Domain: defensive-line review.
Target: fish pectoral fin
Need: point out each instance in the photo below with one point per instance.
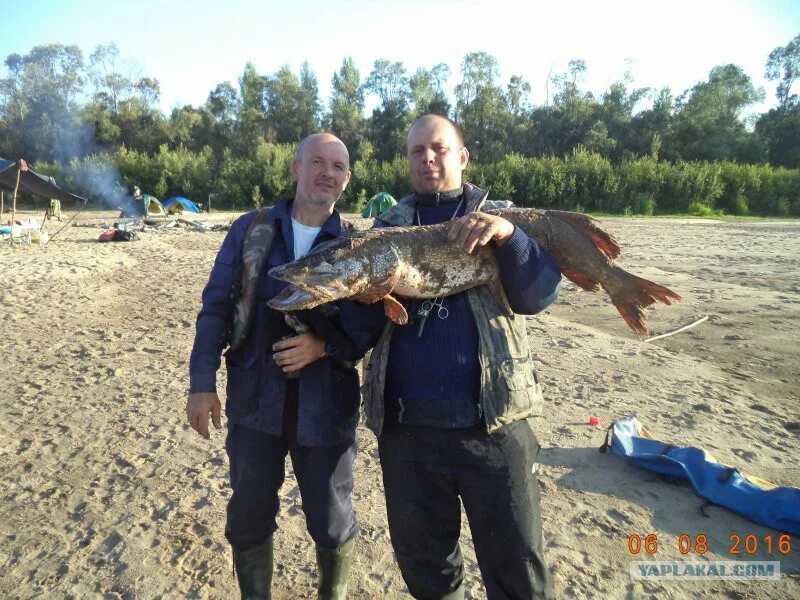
(496, 287)
(395, 310)
(584, 281)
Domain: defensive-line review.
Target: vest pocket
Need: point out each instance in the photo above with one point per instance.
(519, 393)
(518, 374)
(243, 380)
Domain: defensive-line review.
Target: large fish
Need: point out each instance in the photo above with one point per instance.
(421, 262)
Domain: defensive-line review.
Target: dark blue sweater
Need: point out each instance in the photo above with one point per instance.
(434, 380)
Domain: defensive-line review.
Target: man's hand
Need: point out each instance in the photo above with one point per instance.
(296, 352)
(478, 229)
(197, 408)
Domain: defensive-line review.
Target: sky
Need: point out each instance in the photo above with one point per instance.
(190, 47)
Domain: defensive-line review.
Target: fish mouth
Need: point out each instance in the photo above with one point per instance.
(295, 298)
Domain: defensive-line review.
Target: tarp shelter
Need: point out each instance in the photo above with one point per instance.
(177, 204)
(144, 206)
(30, 182)
(379, 203)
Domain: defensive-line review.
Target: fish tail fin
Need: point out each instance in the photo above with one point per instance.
(591, 228)
(632, 294)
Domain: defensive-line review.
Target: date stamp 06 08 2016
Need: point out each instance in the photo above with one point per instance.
(741, 546)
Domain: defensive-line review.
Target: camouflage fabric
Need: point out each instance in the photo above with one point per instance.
(257, 241)
(255, 248)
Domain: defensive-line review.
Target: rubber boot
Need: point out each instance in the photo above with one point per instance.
(456, 594)
(334, 570)
(253, 570)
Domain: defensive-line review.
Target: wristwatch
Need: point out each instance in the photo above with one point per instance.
(330, 349)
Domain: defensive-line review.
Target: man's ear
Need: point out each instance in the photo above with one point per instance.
(295, 167)
(463, 154)
(347, 179)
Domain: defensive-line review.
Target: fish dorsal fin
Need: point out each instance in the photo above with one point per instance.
(602, 239)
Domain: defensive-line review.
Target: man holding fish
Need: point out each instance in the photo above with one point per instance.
(449, 396)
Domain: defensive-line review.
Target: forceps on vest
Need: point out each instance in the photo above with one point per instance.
(426, 308)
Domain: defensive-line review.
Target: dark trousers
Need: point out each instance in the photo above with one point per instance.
(426, 470)
(324, 476)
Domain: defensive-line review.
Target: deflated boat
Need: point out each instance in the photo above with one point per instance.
(421, 262)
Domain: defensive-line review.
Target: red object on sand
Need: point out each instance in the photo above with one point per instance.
(594, 420)
(106, 236)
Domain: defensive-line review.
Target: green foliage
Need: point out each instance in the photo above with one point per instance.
(698, 209)
(256, 198)
(373, 176)
(98, 130)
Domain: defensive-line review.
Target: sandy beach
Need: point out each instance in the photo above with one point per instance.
(108, 494)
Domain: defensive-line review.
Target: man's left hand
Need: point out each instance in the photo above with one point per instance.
(478, 229)
(296, 352)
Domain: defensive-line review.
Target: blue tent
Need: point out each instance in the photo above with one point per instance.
(179, 203)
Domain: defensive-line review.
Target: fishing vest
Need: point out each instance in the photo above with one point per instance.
(255, 249)
(509, 383)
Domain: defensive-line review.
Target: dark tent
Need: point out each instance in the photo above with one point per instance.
(31, 182)
(177, 204)
(146, 206)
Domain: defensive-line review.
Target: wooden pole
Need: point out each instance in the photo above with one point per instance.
(16, 187)
(68, 221)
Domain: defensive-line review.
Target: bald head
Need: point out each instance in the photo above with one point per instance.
(319, 139)
(432, 121)
(436, 154)
(321, 168)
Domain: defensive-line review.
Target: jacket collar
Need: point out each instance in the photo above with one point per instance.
(402, 214)
(282, 211)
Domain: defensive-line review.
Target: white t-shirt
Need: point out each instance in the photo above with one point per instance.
(304, 236)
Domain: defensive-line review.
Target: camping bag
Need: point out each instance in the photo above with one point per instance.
(751, 497)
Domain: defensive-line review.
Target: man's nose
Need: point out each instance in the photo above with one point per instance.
(428, 155)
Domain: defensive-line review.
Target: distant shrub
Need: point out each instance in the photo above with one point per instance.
(698, 209)
(583, 180)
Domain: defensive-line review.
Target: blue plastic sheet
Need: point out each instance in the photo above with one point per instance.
(753, 498)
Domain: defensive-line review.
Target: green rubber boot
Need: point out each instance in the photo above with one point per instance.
(253, 570)
(334, 570)
(457, 594)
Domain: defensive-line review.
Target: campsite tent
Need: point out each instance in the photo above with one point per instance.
(379, 203)
(178, 204)
(31, 182)
(146, 206)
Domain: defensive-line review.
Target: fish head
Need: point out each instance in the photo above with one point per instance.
(331, 271)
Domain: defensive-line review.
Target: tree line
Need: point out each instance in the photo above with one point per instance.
(630, 149)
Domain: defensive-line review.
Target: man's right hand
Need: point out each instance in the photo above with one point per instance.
(198, 406)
